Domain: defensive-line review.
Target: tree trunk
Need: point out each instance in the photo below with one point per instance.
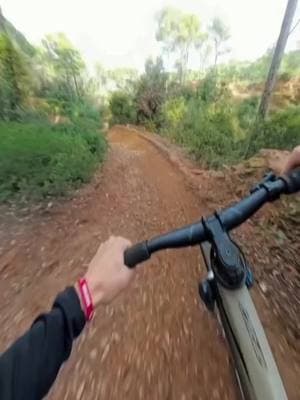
(216, 53)
(277, 57)
(181, 66)
(76, 85)
(186, 61)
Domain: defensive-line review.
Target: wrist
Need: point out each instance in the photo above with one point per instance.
(86, 300)
(95, 290)
(77, 290)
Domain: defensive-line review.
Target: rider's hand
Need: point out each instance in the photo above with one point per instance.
(293, 161)
(107, 275)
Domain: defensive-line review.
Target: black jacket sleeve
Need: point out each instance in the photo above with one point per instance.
(29, 367)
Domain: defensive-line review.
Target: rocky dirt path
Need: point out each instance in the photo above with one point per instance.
(156, 341)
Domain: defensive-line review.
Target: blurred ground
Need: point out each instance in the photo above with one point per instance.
(156, 341)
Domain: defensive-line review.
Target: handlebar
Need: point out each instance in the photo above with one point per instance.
(268, 190)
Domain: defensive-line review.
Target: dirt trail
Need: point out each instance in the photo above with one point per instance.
(156, 341)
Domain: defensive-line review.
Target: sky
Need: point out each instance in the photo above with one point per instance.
(121, 33)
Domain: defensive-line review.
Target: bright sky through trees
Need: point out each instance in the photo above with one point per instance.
(122, 33)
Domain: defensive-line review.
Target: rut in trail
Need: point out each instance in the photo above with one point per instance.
(156, 341)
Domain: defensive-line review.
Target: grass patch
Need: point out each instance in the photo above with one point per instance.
(39, 160)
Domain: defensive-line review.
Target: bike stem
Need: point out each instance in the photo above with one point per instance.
(228, 262)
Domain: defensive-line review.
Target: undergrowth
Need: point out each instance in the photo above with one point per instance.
(39, 160)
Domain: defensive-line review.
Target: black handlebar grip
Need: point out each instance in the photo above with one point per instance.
(292, 180)
(136, 254)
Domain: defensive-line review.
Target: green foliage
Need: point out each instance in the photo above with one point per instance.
(120, 79)
(291, 63)
(173, 112)
(41, 160)
(209, 89)
(211, 139)
(60, 69)
(247, 111)
(179, 32)
(219, 33)
(205, 122)
(14, 79)
(122, 108)
(217, 130)
(280, 131)
(211, 133)
(142, 104)
(151, 91)
(252, 72)
(38, 159)
(256, 71)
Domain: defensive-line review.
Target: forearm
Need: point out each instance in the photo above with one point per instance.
(29, 367)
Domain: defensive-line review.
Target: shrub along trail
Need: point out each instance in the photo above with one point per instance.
(156, 341)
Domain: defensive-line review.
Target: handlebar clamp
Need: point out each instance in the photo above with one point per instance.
(228, 261)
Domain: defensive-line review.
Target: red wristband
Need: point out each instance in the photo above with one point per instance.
(86, 299)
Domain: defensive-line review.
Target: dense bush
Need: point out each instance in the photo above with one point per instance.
(247, 111)
(40, 160)
(173, 112)
(280, 131)
(122, 108)
(212, 134)
(205, 122)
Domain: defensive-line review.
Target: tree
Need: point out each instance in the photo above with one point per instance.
(277, 57)
(151, 89)
(178, 32)
(219, 33)
(64, 64)
(123, 78)
(14, 78)
(120, 79)
(203, 46)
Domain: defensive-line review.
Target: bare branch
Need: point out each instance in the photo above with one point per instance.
(294, 27)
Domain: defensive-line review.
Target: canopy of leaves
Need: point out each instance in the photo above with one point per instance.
(219, 33)
(177, 29)
(61, 71)
(178, 32)
(115, 79)
(14, 78)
